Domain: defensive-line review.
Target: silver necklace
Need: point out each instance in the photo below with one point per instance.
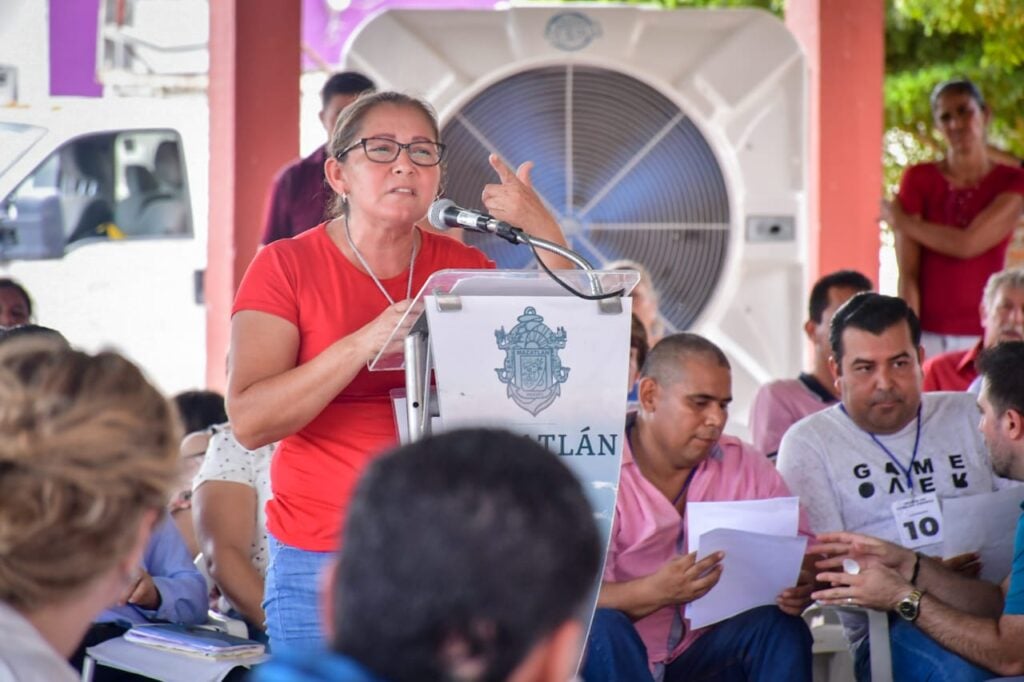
(369, 271)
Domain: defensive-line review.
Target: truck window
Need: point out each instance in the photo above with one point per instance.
(102, 187)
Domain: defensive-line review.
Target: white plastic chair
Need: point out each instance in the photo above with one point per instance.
(825, 630)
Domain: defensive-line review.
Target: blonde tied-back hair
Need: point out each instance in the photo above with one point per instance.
(87, 446)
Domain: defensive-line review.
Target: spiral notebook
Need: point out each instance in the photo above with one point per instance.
(193, 640)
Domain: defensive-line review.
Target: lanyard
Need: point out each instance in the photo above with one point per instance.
(678, 628)
(908, 470)
(686, 485)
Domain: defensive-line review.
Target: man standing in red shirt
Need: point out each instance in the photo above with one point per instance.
(1002, 319)
(298, 198)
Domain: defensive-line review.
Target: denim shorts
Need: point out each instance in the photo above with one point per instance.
(292, 596)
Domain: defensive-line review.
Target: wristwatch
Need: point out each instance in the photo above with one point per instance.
(910, 606)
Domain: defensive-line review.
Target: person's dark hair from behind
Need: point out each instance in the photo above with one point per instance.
(872, 313)
(26, 331)
(200, 409)
(345, 83)
(1003, 368)
(461, 552)
(842, 279)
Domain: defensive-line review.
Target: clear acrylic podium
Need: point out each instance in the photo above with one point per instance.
(439, 303)
(515, 350)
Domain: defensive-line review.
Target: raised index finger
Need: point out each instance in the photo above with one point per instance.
(505, 173)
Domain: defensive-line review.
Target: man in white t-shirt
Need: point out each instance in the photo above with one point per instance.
(977, 619)
(879, 461)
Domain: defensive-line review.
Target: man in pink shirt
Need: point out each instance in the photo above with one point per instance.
(675, 452)
(780, 404)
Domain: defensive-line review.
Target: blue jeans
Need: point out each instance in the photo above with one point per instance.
(759, 645)
(291, 599)
(916, 657)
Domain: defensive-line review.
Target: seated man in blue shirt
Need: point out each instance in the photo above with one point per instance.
(169, 589)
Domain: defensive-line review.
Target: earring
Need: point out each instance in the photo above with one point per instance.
(344, 197)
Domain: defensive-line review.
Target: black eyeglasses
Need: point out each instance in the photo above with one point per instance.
(384, 150)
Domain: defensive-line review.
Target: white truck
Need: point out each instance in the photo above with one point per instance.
(103, 211)
(103, 201)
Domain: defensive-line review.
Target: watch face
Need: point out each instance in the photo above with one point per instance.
(908, 607)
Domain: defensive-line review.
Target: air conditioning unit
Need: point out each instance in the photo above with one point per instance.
(676, 138)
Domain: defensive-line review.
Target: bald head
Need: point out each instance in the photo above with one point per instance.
(665, 363)
(684, 397)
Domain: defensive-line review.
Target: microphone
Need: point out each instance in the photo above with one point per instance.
(445, 214)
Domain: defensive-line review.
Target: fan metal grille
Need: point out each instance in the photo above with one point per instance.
(624, 170)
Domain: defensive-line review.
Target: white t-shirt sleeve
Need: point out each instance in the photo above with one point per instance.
(801, 465)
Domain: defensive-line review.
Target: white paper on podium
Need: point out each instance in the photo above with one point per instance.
(773, 516)
(984, 523)
(757, 567)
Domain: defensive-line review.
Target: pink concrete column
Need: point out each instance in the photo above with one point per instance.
(844, 42)
(254, 130)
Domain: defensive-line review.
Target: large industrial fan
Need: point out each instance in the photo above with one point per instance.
(674, 138)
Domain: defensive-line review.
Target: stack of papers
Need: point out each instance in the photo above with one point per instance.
(195, 641)
(763, 553)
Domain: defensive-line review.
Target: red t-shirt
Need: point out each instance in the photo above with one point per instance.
(308, 282)
(951, 287)
(952, 371)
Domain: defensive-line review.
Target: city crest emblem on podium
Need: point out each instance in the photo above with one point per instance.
(533, 371)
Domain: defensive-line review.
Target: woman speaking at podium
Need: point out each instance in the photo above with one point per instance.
(313, 310)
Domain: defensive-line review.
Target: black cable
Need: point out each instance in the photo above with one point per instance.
(565, 285)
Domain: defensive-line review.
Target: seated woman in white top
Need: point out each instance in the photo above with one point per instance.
(228, 498)
(88, 456)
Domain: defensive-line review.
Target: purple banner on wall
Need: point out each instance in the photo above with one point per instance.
(327, 24)
(73, 35)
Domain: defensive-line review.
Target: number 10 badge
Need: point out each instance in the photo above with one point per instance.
(919, 520)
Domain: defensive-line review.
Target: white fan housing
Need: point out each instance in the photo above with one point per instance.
(675, 138)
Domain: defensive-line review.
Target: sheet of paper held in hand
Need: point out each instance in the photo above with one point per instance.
(986, 524)
(762, 553)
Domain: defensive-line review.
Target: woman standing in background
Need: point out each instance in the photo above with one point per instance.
(953, 220)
